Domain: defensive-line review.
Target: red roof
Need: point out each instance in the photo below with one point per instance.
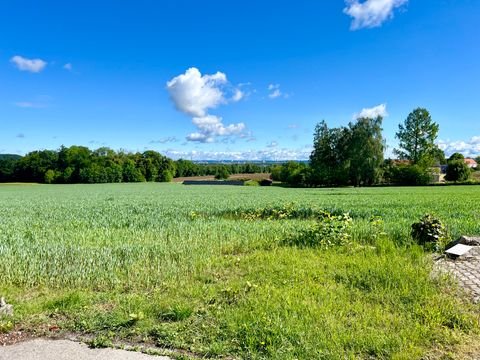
(470, 162)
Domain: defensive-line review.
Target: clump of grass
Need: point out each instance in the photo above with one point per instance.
(326, 232)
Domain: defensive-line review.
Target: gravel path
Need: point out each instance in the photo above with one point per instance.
(40, 349)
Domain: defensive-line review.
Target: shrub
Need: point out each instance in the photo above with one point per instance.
(429, 232)
(251, 183)
(457, 170)
(410, 175)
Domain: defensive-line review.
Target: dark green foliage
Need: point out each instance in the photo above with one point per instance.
(329, 157)
(347, 156)
(456, 156)
(222, 173)
(8, 164)
(407, 174)
(457, 170)
(165, 176)
(417, 137)
(365, 151)
(186, 168)
(78, 164)
(429, 231)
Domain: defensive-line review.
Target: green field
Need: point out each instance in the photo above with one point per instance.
(184, 268)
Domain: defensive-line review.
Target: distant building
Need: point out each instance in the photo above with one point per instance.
(471, 163)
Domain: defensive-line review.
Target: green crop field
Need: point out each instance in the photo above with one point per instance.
(213, 271)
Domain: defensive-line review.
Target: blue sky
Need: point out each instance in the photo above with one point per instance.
(228, 80)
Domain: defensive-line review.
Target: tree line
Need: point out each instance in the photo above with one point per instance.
(347, 155)
(354, 155)
(79, 164)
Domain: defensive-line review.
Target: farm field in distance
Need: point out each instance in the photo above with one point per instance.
(187, 269)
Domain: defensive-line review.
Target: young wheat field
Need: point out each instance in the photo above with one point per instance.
(215, 271)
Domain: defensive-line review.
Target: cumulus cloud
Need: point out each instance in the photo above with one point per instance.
(371, 13)
(20, 136)
(68, 66)
(272, 144)
(211, 126)
(470, 148)
(372, 113)
(31, 65)
(195, 94)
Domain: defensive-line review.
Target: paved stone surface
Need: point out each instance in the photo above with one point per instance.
(41, 349)
(466, 270)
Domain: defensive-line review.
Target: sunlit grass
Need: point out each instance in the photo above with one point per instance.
(162, 263)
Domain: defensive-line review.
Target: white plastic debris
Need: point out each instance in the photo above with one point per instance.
(458, 250)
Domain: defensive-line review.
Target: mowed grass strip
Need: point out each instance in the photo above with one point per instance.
(158, 263)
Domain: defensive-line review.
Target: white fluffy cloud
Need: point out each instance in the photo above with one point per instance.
(371, 13)
(470, 148)
(372, 113)
(195, 94)
(68, 66)
(211, 126)
(31, 65)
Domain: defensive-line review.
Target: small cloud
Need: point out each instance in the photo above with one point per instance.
(68, 66)
(20, 136)
(272, 144)
(165, 140)
(293, 126)
(372, 113)
(275, 92)
(238, 95)
(31, 65)
(371, 13)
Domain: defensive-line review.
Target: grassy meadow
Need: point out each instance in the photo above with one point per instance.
(182, 268)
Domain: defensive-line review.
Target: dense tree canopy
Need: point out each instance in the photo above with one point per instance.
(347, 155)
(79, 164)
